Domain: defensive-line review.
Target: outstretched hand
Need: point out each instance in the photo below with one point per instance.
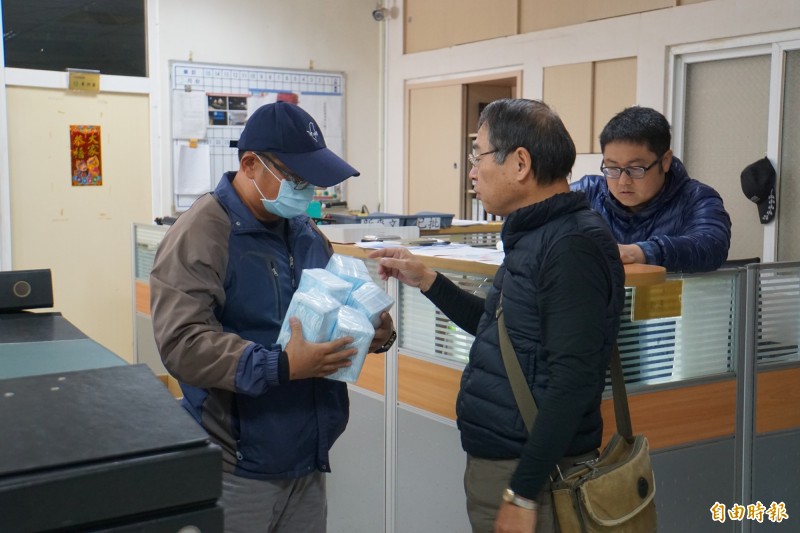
(406, 267)
(315, 359)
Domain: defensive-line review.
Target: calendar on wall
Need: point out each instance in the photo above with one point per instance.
(211, 103)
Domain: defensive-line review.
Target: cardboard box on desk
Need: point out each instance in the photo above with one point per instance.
(88, 448)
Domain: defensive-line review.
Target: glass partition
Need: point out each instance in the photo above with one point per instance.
(697, 342)
(425, 330)
(146, 239)
(778, 322)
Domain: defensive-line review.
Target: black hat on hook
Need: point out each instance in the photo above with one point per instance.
(758, 184)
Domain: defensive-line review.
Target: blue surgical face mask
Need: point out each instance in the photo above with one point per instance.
(290, 202)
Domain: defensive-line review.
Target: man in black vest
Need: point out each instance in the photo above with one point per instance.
(562, 285)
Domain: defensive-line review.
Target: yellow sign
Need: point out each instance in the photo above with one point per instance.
(80, 80)
(657, 301)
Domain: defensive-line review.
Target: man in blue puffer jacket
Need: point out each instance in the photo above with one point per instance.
(658, 214)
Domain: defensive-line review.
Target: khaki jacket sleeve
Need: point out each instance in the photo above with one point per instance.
(186, 285)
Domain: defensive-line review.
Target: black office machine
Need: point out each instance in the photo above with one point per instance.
(106, 449)
(25, 289)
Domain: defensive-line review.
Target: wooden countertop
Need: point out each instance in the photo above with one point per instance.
(636, 275)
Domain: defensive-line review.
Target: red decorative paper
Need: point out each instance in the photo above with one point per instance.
(85, 154)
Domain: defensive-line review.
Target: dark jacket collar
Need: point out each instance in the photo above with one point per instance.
(242, 219)
(531, 217)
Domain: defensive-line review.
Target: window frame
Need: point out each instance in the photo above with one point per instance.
(776, 45)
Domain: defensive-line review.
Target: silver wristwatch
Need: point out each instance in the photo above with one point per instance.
(510, 497)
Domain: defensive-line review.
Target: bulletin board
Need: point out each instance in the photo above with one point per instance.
(210, 104)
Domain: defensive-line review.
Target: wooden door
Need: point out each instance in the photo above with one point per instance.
(435, 149)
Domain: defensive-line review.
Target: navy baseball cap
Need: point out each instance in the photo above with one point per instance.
(293, 135)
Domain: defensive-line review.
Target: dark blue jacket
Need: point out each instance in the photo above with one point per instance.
(220, 288)
(685, 228)
(563, 289)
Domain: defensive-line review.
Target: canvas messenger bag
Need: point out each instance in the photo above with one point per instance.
(613, 493)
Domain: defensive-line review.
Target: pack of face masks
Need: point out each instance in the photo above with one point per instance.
(370, 300)
(326, 282)
(338, 301)
(316, 312)
(351, 322)
(349, 269)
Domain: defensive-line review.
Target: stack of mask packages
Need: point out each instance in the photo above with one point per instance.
(340, 300)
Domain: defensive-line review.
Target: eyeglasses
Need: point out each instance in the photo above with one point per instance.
(474, 159)
(297, 182)
(635, 173)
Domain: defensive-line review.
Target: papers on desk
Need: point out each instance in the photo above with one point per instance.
(462, 252)
(464, 222)
(394, 243)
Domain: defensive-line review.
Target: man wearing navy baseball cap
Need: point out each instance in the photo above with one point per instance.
(294, 137)
(220, 286)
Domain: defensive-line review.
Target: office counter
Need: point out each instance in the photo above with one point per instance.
(431, 347)
(711, 367)
(432, 351)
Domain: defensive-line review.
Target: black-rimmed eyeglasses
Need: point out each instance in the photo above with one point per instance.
(635, 173)
(297, 182)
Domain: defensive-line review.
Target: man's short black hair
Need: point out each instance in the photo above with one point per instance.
(530, 124)
(638, 125)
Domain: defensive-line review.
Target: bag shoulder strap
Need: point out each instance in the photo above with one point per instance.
(522, 393)
(621, 411)
(524, 397)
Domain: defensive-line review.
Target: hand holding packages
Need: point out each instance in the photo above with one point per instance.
(371, 300)
(349, 269)
(351, 322)
(317, 314)
(338, 301)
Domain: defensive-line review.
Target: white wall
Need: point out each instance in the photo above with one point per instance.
(86, 240)
(648, 36)
(82, 234)
(333, 36)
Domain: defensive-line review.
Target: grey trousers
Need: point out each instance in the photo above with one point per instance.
(280, 506)
(484, 483)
